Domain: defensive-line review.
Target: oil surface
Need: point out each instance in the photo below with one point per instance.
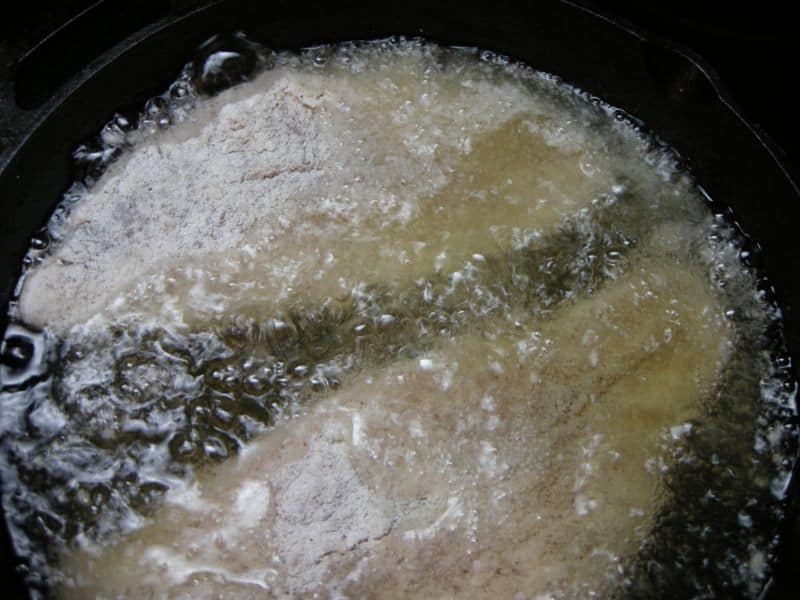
(390, 318)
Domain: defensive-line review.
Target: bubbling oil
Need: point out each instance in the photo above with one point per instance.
(481, 239)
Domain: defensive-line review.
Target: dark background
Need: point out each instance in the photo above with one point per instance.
(751, 46)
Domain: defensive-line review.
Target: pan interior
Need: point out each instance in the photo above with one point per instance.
(546, 284)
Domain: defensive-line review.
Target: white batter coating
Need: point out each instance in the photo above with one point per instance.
(522, 458)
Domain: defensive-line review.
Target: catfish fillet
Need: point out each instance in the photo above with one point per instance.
(524, 456)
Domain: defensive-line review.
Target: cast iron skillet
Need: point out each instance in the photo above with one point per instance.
(668, 88)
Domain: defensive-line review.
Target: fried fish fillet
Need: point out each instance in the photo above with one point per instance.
(521, 457)
(303, 179)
